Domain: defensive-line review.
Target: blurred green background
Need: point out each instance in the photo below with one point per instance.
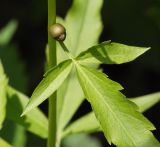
(132, 22)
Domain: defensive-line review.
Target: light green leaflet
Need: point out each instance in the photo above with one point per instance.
(88, 123)
(34, 121)
(111, 53)
(50, 83)
(85, 124)
(7, 32)
(3, 98)
(146, 101)
(83, 27)
(120, 120)
(3, 143)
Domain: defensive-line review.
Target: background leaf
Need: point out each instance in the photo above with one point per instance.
(10, 57)
(3, 92)
(81, 140)
(50, 83)
(35, 121)
(111, 53)
(114, 111)
(86, 124)
(83, 24)
(7, 32)
(19, 139)
(3, 143)
(147, 101)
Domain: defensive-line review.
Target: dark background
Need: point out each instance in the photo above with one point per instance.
(132, 22)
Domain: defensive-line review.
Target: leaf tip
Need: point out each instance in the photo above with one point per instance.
(26, 110)
(148, 48)
(23, 113)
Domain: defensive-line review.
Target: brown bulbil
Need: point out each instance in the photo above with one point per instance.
(58, 32)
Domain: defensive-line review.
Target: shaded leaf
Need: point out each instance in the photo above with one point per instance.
(10, 58)
(7, 32)
(3, 99)
(3, 143)
(111, 53)
(114, 111)
(34, 121)
(50, 83)
(19, 139)
(81, 140)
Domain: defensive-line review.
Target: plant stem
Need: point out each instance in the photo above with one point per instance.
(52, 61)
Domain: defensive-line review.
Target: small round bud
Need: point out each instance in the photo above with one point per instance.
(58, 32)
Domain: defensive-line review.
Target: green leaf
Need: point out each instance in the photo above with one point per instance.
(34, 121)
(3, 143)
(83, 24)
(81, 140)
(69, 100)
(7, 32)
(114, 111)
(88, 123)
(50, 83)
(3, 99)
(111, 53)
(80, 22)
(147, 101)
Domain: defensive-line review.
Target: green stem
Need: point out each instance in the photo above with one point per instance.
(52, 61)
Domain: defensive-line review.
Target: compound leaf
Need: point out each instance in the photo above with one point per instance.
(121, 122)
(50, 83)
(111, 53)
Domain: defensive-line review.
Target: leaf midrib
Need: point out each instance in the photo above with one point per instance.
(106, 104)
